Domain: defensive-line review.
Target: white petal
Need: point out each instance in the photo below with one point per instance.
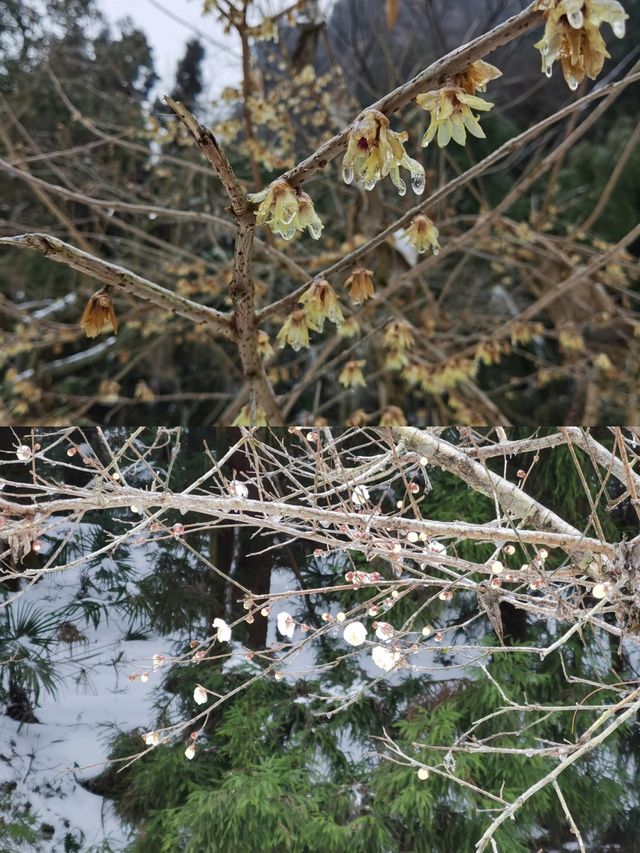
(360, 495)
(200, 695)
(190, 751)
(286, 624)
(224, 631)
(384, 658)
(384, 631)
(23, 453)
(355, 634)
(238, 489)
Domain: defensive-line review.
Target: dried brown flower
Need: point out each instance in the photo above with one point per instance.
(99, 314)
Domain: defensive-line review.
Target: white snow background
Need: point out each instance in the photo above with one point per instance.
(45, 760)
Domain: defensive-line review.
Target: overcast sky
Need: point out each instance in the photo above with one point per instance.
(168, 36)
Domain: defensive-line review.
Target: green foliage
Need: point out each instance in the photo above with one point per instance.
(587, 173)
(17, 823)
(26, 636)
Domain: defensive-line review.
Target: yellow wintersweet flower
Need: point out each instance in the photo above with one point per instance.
(244, 417)
(264, 344)
(572, 35)
(360, 283)
(350, 328)
(286, 210)
(398, 335)
(352, 376)
(320, 304)
(375, 151)
(451, 115)
(475, 78)
(396, 360)
(423, 234)
(295, 331)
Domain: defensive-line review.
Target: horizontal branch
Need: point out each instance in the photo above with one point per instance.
(272, 515)
(117, 276)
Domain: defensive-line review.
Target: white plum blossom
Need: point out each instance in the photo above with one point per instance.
(385, 658)
(223, 634)
(137, 509)
(437, 548)
(355, 634)
(360, 495)
(200, 695)
(497, 568)
(190, 751)
(238, 489)
(286, 624)
(158, 660)
(601, 590)
(384, 631)
(24, 453)
(152, 738)
(423, 773)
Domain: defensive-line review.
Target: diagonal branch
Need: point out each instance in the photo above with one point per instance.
(208, 145)
(453, 63)
(117, 276)
(511, 498)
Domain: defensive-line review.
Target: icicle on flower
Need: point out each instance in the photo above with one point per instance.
(320, 304)
(572, 36)
(295, 331)
(375, 151)
(423, 235)
(286, 210)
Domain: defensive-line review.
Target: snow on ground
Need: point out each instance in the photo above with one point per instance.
(46, 760)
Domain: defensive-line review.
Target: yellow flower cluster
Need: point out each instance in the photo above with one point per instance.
(423, 234)
(572, 36)
(451, 108)
(375, 151)
(286, 210)
(444, 377)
